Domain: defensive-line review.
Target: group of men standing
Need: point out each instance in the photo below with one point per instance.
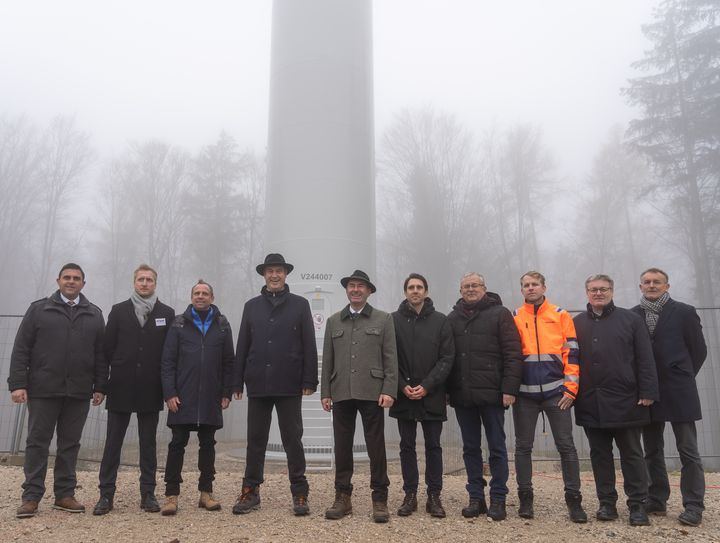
(626, 373)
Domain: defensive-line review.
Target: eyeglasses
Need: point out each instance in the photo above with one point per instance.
(601, 290)
(471, 286)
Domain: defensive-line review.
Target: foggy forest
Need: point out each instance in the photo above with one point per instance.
(451, 195)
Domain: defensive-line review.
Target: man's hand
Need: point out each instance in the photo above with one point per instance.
(307, 391)
(565, 402)
(385, 401)
(98, 398)
(419, 392)
(508, 400)
(408, 391)
(19, 395)
(225, 403)
(646, 403)
(238, 395)
(173, 404)
(326, 403)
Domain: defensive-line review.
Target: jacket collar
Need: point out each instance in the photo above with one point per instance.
(530, 308)
(56, 299)
(607, 310)
(406, 309)
(366, 312)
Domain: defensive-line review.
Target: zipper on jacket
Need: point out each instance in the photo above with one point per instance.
(537, 342)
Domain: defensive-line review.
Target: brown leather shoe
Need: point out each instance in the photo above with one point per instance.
(27, 509)
(170, 506)
(208, 502)
(69, 504)
(380, 512)
(341, 507)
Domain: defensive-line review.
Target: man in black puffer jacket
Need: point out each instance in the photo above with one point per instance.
(425, 357)
(483, 383)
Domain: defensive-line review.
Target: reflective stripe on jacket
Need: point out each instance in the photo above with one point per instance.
(550, 351)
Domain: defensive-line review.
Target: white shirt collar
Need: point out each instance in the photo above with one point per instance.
(66, 300)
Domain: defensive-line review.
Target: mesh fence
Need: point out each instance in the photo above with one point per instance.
(13, 422)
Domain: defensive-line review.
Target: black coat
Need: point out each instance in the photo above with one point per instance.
(58, 350)
(679, 348)
(133, 354)
(276, 348)
(616, 369)
(426, 352)
(488, 354)
(198, 369)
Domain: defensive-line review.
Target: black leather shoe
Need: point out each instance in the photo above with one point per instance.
(655, 508)
(607, 511)
(496, 511)
(638, 515)
(103, 506)
(149, 503)
(475, 508)
(690, 517)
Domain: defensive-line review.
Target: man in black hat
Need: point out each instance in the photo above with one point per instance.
(277, 361)
(359, 375)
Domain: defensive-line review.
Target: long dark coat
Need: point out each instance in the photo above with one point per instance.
(488, 354)
(198, 369)
(276, 349)
(133, 354)
(616, 367)
(58, 350)
(426, 352)
(680, 350)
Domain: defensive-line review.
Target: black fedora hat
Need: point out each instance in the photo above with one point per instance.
(358, 275)
(274, 259)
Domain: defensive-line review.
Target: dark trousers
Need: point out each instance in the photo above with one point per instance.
(290, 422)
(117, 424)
(68, 415)
(471, 421)
(692, 475)
(525, 415)
(176, 455)
(432, 429)
(373, 420)
(631, 463)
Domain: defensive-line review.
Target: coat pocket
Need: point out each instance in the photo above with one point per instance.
(377, 373)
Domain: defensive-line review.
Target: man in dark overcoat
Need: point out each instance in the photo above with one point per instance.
(619, 383)
(680, 350)
(134, 339)
(197, 372)
(278, 363)
(426, 351)
(56, 365)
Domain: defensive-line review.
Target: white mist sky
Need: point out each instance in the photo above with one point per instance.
(181, 71)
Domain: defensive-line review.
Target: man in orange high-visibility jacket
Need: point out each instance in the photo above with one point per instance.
(549, 385)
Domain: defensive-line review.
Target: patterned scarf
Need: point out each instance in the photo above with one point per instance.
(143, 306)
(652, 311)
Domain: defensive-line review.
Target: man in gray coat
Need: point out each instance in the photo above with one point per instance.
(359, 375)
(57, 365)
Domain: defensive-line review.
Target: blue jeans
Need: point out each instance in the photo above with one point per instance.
(471, 421)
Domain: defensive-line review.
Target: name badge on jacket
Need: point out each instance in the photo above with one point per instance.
(160, 322)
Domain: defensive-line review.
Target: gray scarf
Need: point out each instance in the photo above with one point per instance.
(143, 306)
(652, 311)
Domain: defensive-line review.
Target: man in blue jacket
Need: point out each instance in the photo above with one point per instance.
(680, 350)
(278, 363)
(196, 371)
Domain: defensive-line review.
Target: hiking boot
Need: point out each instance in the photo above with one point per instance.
(149, 503)
(208, 502)
(300, 505)
(248, 500)
(69, 504)
(655, 508)
(409, 505)
(434, 506)
(170, 506)
(341, 507)
(380, 513)
(27, 509)
(525, 509)
(496, 511)
(103, 506)
(690, 517)
(607, 511)
(475, 508)
(574, 505)
(638, 515)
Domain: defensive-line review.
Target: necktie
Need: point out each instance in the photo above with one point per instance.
(70, 303)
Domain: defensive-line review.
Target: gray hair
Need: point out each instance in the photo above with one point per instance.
(469, 274)
(600, 277)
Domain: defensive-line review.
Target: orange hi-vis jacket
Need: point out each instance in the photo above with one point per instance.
(550, 351)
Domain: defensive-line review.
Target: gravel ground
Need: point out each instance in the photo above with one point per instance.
(275, 521)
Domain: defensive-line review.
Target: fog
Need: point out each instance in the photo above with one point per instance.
(522, 98)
